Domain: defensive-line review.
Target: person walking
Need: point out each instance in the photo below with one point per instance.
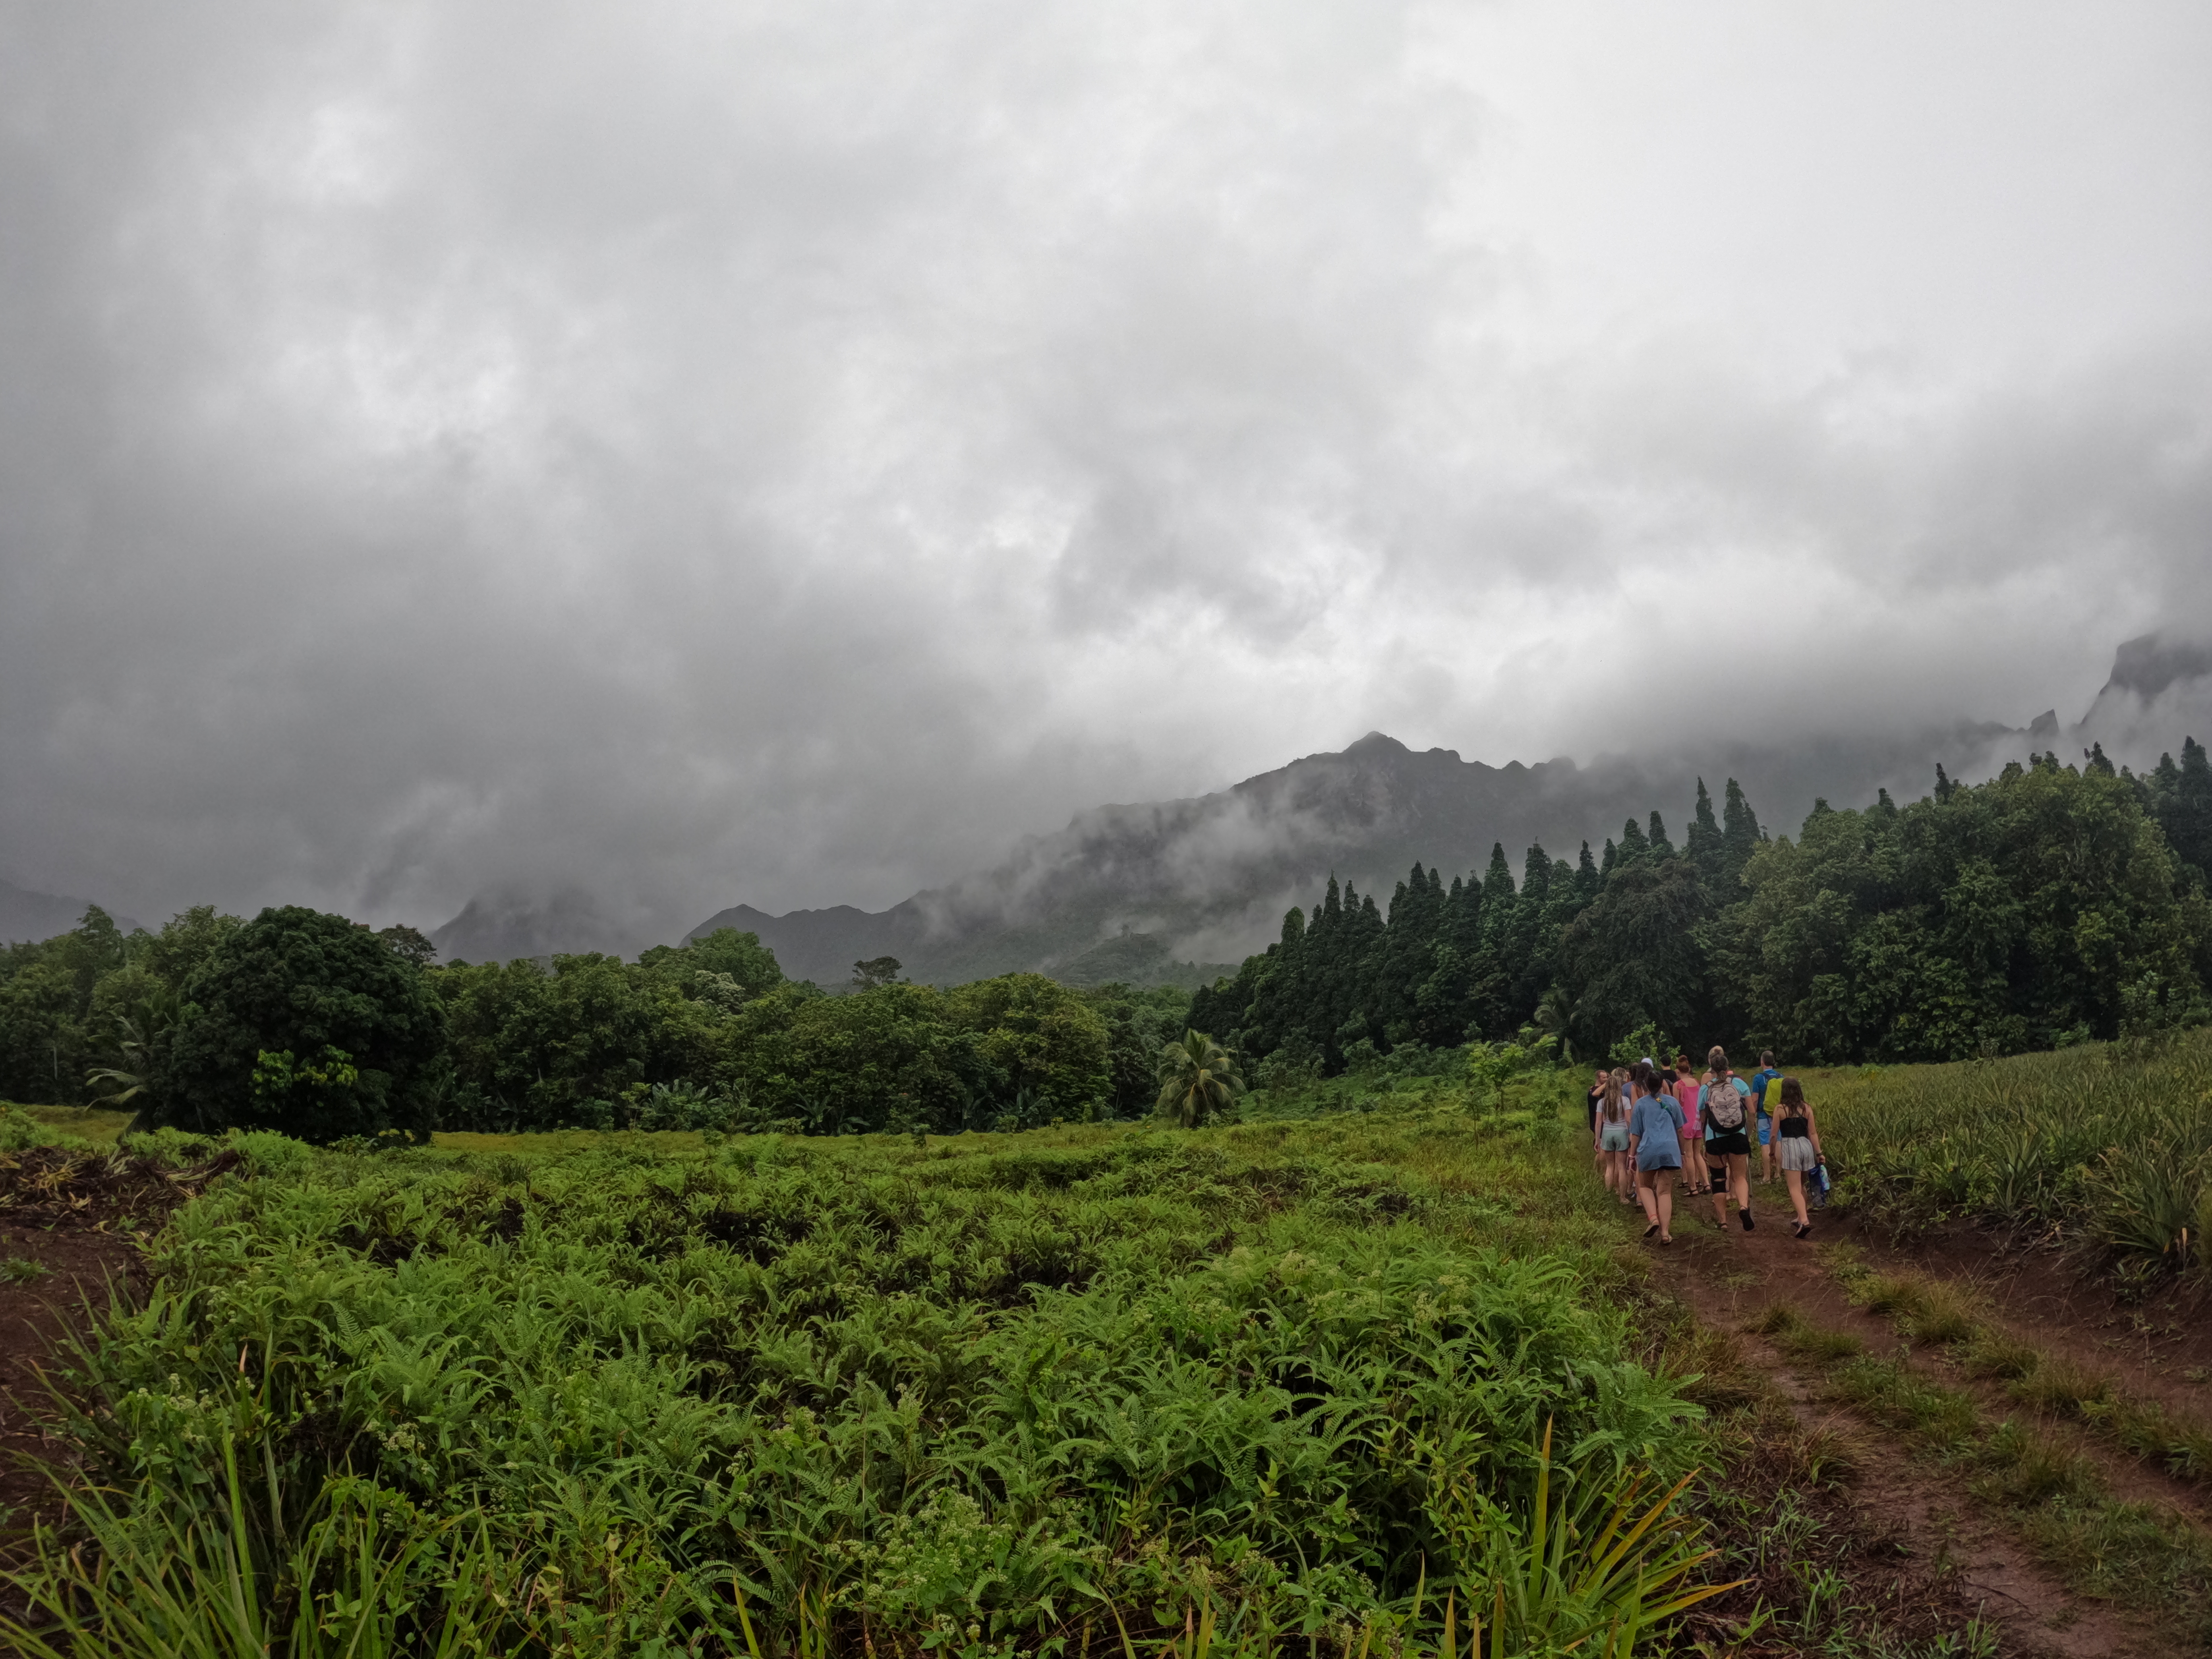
(1596, 1099)
(1685, 1090)
(1798, 1138)
(1655, 1142)
(1610, 1135)
(1725, 1110)
(1762, 1083)
(1716, 1163)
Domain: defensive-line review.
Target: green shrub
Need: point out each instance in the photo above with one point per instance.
(305, 1024)
(997, 1383)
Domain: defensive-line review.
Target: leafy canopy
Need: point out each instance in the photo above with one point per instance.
(266, 1012)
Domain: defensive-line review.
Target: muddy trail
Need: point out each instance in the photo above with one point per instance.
(1733, 1281)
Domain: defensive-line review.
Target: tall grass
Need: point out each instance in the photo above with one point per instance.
(2107, 1146)
(970, 1396)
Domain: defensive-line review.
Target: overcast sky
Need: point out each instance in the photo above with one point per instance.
(715, 452)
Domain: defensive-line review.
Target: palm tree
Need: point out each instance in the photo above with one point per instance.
(1198, 1078)
(1552, 1019)
(135, 1054)
(132, 1060)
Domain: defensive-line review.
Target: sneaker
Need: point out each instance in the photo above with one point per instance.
(1744, 1216)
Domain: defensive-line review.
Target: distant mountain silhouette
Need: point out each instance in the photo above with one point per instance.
(1170, 891)
(501, 926)
(25, 915)
(2146, 669)
(1207, 880)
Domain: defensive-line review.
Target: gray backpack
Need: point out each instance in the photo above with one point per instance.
(1724, 1105)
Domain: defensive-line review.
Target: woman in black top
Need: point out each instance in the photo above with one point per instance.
(1798, 1138)
(1725, 1110)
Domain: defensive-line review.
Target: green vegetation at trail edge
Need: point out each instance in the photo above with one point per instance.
(974, 1395)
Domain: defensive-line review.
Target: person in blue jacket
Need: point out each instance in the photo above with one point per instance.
(1655, 1141)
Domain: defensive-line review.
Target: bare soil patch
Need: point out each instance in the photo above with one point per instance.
(77, 1216)
(2157, 1345)
(83, 1268)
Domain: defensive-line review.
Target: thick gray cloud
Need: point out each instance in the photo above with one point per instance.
(709, 452)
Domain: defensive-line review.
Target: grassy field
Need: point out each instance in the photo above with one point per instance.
(972, 1394)
(1286, 1383)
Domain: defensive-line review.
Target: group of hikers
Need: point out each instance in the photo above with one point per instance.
(1651, 1126)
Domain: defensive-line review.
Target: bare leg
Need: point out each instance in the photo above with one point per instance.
(1795, 1178)
(1739, 1179)
(1664, 1193)
(1718, 1181)
(1647, 1193)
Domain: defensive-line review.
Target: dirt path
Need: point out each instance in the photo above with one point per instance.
(75, 1217)
(36, 1314)
(1729, 1278)
(2158, 1347)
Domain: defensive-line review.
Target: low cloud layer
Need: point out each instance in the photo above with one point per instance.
(695, 454)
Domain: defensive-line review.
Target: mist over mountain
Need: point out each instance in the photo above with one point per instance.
(503, 925)
(1207, 880)
(1178, 891)
(25, 915)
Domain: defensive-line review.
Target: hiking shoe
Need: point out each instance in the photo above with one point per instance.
(1744, 1216)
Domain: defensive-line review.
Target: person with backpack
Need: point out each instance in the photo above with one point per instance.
(1655, 1142)
(1725, 1110)
(1716, 1163)
(1763, 1080)
(1800, 1140)
(1610, 1135)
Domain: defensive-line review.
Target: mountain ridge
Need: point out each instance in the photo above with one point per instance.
(1201, 881)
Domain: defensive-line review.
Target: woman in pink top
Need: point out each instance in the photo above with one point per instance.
(1686, 1092)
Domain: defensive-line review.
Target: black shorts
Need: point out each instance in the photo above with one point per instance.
(1734, 1140)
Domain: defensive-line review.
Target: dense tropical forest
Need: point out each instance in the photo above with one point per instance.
(310, 1022)
(2050, 906)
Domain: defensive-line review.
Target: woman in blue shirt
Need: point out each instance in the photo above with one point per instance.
(1655, 1141)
